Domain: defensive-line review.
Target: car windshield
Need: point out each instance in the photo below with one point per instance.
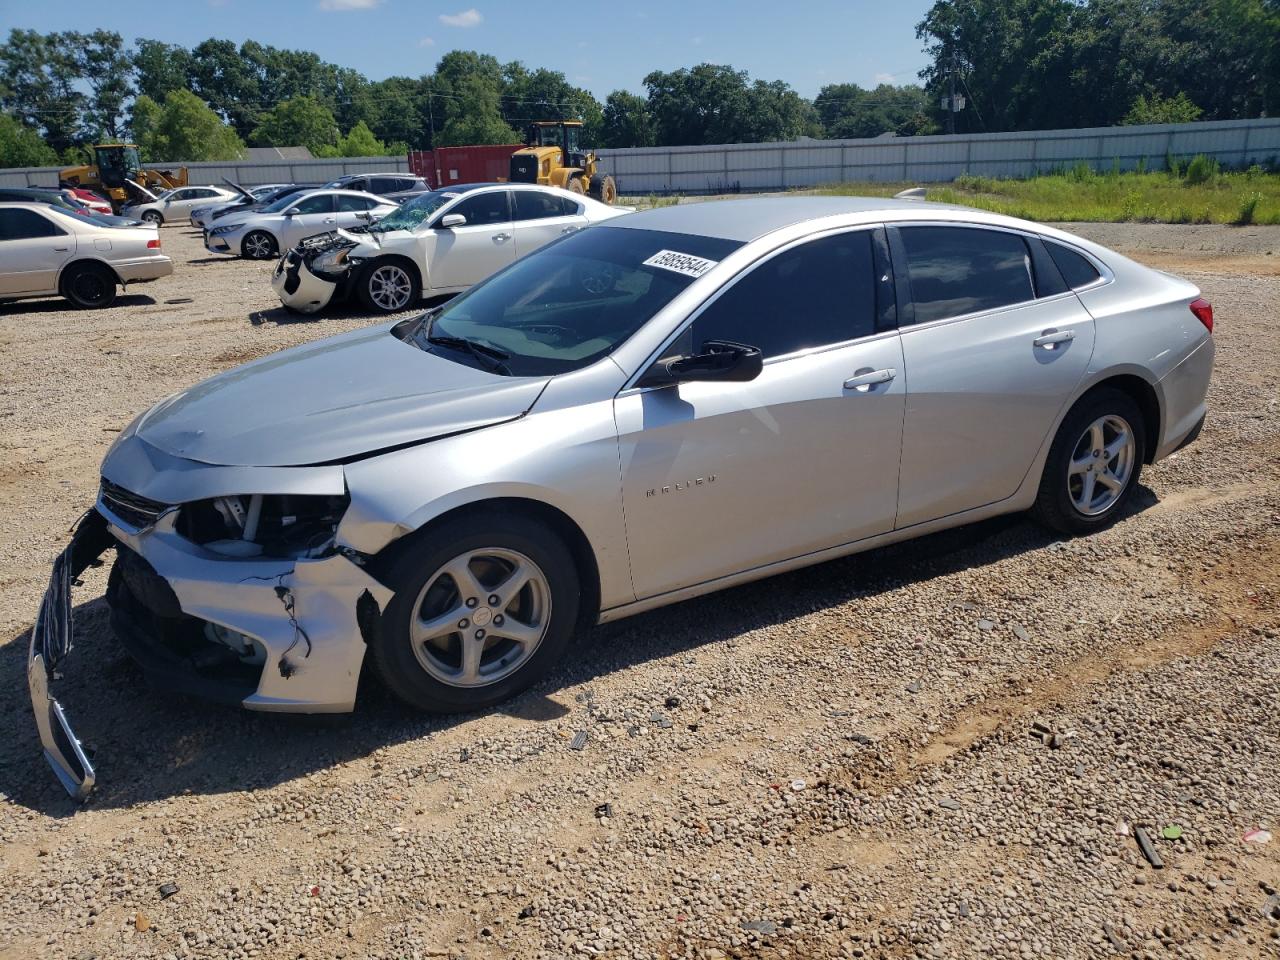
(167, 194)
(570, 303)
(414, 211)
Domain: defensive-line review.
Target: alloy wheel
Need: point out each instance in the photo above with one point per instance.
(480, 617)
(258, 245)
(1101, 465)
(390, 287)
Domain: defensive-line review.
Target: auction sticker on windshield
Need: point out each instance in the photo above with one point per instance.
(678, 262)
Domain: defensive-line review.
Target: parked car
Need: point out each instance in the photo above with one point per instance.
(176, 204)
(658, 407)
(208, 218)
(395, 186)
(262, 234)
(70, 204)
(440, 242)
(48, 251)
(245, 196)
(91, 200)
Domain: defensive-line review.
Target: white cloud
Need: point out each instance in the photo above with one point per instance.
(467, 18)
(348, 4)
(884, 78)
(426, 42)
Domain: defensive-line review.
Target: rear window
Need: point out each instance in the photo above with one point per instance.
(1076, 270)
(955, 271)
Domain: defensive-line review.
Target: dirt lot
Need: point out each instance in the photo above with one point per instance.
(832, 763)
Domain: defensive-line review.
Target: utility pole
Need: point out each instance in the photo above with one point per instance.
(951, 97)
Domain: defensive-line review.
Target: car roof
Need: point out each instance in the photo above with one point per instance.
(749, 218)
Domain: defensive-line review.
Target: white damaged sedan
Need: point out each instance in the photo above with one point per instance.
(440, 242)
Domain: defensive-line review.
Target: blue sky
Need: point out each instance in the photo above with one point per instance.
(600, 46)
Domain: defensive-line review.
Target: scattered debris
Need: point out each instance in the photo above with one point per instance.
(914, 686)
(1271, 907)
(1116, 943)
(1148, 848)
(141, 923)
(1257, 836)
(672, 702)
(604, 810)
(963, 908)
(798, 784)
(167, 890)
(838, 866)
(986, 625)
(181, 300)
(1171, 832)
(766, 928)
(862, 738)
(314, 891)
(528, 911)
(1122, 829)
(946, 803)
(1020, 632)
(464, 754)
(579, 740)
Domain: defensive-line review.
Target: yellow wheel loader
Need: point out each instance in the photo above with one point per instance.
(117, 174)
(555, 157)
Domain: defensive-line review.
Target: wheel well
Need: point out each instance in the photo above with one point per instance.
(1144, 395)
(584, 557)
(274, 238)
(99, 264)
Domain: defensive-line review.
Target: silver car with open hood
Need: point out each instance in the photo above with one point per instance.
(666, 404)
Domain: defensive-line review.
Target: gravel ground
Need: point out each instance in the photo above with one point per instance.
(939, 749)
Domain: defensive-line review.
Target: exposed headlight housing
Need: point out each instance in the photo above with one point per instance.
(289, 526)
(332, 262)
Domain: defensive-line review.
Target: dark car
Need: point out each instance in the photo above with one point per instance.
(394, 186)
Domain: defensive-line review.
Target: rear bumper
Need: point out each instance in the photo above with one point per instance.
(144, 268)
(1183, 390)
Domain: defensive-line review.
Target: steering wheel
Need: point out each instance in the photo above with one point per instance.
(598, 280)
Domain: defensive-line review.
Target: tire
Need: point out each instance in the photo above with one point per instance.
(153, 216)
(431, 674)
(1073, 497)
(258, 245)
(603, 189)
(90, 286)
(574, 185)
(388, 286)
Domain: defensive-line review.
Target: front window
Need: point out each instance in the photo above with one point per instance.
(284, 203)
(548, 136)
(416, 211)
(571, 137)
(569, 304)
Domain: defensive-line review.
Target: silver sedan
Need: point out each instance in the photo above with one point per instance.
(665, 405)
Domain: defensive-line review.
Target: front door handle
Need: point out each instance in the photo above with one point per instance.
(1051, 338)
(865, 379)
(502, 236)
(330, 219)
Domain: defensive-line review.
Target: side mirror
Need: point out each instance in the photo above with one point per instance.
(292, 212)
(450, 220)
(364, 215)
(719, 361)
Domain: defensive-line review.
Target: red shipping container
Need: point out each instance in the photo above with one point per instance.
(448, 166)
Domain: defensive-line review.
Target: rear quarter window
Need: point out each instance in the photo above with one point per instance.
(1076, 269)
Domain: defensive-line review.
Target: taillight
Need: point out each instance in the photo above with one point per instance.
(155, 245)
(1203, 310)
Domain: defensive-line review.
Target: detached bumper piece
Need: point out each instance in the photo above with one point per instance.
(50, 643)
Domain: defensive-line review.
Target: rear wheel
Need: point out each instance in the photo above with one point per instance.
(258, 245)
(89, 285)
(1094, 464)
(484, 607)
(387, 286)
(603, 188)
(153, 216)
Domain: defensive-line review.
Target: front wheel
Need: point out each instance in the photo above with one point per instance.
(1094, 464)
(484, 607)
(258, 245)
(387, 287)
(153, 216)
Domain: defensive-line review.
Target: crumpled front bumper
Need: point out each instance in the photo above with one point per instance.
(309, 620)
(298, 288)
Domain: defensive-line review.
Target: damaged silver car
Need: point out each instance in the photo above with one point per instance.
(667, 404)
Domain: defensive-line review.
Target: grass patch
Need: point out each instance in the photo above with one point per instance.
(1194, 191)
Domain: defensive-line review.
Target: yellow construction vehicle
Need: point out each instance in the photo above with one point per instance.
(117, 172)
(554, 156)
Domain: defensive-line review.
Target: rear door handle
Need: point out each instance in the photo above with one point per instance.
(864, 380)
(572, 228)
(63, 249)
(1051, 338)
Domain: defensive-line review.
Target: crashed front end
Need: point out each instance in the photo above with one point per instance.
(315, 272)
(241, 598)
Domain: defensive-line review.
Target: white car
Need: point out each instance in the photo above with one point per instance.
(201, 213)
(47, 251)
(177, 204)
(262, 234)
(439, 242)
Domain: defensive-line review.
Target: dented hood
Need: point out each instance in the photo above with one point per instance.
(332, 400)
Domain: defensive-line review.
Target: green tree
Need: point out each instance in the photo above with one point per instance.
(184, 129)
(300, 121)
(360, 142)
(160, 68)
(1158, 109)
(38, 75)
(626, 121)
(401, 110)
(229, 83)
(847, 111)
(713, 103)
(21, 146)
(473, 113)
(542, 94)
(102, 62)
